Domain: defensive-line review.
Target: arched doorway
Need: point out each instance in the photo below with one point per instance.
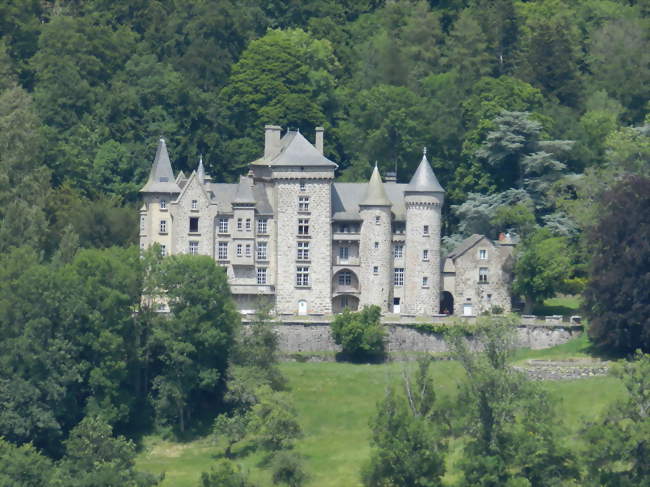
(345, 301)
(446, 303)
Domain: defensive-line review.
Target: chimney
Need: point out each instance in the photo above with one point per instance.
(271, 140)
(319, 139)
(390, 177)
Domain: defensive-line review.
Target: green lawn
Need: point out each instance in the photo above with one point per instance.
(335, 402)
(561, 305)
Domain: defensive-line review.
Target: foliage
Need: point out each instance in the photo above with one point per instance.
(274, 421)
(618, 442)
(614, 299)
(407, 436)
(360, 334)
(288, 470)
(510, 422)
(225, 474)
(232, 428)
(23, 466)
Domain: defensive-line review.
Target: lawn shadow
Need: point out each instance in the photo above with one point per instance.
(375, 358)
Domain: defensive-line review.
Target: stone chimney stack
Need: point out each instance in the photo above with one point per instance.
(319, 139)
(271, 140)
(390, 177)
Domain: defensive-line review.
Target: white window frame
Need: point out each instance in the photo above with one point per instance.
(240, 250)
(482, 254)
(303, 203)
(425, 255)
(162, 228)
(248, 225)
(248, 250)
(303, 226)
(163, 250)
(195, 204)
(345, 278)
(222, 250)
(261, 276)
(483, 274)
(162, 204)
(193, 247)
(398, 250)
(262, 250)
(262, 226)
(303, 250)
(240, 224)
(302, 276)
(398, 277)
(223, 225)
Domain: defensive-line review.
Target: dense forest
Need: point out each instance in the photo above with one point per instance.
(535, 116)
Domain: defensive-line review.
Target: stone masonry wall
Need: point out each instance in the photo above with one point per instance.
(316, 337)
(376, 288)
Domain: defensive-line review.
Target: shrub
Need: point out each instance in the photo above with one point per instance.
(360, 334)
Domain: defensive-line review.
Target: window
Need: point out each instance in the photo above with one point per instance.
(303, 250)
(303, 186)
(163, 226)
(344, 253)
(222, 251)
(303, 226)
(248, 250)
(398, 228)
(262, 226)
(163, 250)
(248, 224)
(240, 223)
(398, 279)
(223, 225)
(376, 245)
(425, 230)
(398, 251)
(163, 204)
(482, 254)
(425, 281)
(195, 205)
(483, 274)
(194, 224)
(194, 247)
(239, 250)
(344, 229)
(345, 278)
(261, 275)
(303, 203)
(344, 302)
(377, 220)
(142, 222)
(302, 276)
(375, 270)
(425, 254)
(261, 251)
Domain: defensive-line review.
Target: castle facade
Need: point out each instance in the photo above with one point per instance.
(287, 233)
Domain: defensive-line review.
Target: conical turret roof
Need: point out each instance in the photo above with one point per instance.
(161, 177)
(424, 180)
(200, 171)
(375, 191)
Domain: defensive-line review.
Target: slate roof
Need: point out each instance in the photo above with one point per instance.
(225, 194)
(424, 180)
(295, 150)
(244, 192)
(465, 245)
(347, 196)
(375, 194)
(161, 177)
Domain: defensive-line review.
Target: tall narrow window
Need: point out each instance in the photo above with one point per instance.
(142, 223)
(303, 226)
(303, 203)
(163, 226)
(248, 224)
(425, 230)
(195, 204)
(240, 223)
(163, 204)
(163, 250)
(376, 245)
(483, 274)
(302, 276)
(248, 250)
(194, 247)
(262, 226)
(194, 224)
(377, 220)
(482, 254)
(223, 225)
(303, 186)
(375, 270)
(239, 250)
(261, 250)
(261, 275)
(425, 281)
(344, 253)
(222, 251)
(399, 276)
(303, 251)
(398, 250)
(425, 254)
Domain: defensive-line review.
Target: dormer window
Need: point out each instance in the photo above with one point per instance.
(195, 204)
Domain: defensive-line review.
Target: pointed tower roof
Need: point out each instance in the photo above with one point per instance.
(200, 171)
(424, 180)
(244, 192)
(375, 191)
(295, 150)
(161, 177)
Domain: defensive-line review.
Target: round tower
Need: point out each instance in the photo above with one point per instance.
(423, 199)
(375, 249)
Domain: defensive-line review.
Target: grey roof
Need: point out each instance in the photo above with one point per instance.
(424, 180)
(295, 150)
(375, 194)
(224, 194)
(465, 245)
(200, 171)
(347, 196)
(244, 193)
(161, 178)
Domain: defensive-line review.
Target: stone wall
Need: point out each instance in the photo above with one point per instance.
(316, 337)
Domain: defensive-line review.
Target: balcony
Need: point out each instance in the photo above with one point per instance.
(346, 236)
(252, 289)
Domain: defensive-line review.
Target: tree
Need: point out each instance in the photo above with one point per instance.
(288, 470)
(192, 346)
(225, 474)
(274, 421)
(409, 444)
(542, 263)
(232, 428)
(510, 421)
(23, 466)
(95, 458)
(360, 334)
(616, 298)
(618, 445)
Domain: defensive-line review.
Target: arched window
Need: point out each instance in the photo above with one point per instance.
(345, 278)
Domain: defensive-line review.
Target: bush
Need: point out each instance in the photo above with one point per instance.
(288, 470)
(360, 334)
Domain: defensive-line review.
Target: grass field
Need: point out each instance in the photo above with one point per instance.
(561, 305)
(335, 402)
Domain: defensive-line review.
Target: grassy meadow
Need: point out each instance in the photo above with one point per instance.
(335, 402)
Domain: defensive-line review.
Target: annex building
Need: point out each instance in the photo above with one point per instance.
(288, 233)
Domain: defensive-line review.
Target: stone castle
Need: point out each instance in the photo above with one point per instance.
(287, 233)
